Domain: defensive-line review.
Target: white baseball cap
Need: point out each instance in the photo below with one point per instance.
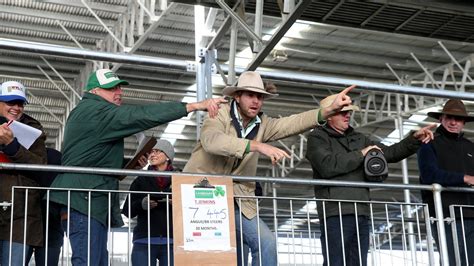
(11, 91)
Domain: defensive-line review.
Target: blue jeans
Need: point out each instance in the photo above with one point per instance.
(351, 243)
(160, 252)
(17, 253)
(468, 234)
(78, 239)
(250, 235)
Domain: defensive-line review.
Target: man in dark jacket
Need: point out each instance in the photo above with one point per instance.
(336, 152)
(449, 161)
(157, 205)
(94, 137)
(12, 101)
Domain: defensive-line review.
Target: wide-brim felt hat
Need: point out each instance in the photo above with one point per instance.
(453, 107)
(326, 102)
(249, 81)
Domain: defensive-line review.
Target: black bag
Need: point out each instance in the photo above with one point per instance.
(375, 166)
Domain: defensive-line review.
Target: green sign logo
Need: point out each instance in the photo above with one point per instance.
(219, 191)
(203, 194)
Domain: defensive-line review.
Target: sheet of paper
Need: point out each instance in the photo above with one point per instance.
(25, 134)
(205, 218)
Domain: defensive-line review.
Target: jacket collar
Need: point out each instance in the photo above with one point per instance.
(333, 133)
(443, 131)
(92, 96)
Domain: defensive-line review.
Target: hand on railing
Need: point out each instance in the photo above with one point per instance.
(469, 179)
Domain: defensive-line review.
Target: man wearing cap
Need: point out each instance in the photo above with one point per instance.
(160, 238)
(449, 161)
(336, 152)
(12, 101)
(231, 144)
(94, 137)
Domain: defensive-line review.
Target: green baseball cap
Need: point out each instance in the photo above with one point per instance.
(105, 79)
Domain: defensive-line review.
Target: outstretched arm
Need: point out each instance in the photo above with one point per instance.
(275, 154)
(425, 134)
(342, 99)
(209, 105)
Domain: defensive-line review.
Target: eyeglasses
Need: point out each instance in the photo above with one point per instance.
(344, 113)
(13, 103)
(156, 151)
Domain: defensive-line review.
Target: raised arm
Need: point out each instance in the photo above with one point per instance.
(341, 100)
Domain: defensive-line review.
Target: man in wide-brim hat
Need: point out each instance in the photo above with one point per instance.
(449, 161)
(231, 143)
(453, 108)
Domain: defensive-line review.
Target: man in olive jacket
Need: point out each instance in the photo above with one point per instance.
(12, 101)
(336, 152)
(231, 143)
(94, 137)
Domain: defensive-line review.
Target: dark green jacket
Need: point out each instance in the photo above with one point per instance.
(93, 137)
(338, 157)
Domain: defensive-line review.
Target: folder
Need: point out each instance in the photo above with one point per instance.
(144, 147)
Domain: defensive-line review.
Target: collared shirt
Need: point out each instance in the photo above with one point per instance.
(253, 123)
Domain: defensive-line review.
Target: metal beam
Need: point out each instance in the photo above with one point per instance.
(280, 32)
(148, 32)
(367, 20)
(239, 21)
(103, 24)
(294, 76)
(328, 14)
(368, 85)
(30, 14)
(70, 52)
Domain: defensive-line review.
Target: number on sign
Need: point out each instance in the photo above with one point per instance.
(195, 211)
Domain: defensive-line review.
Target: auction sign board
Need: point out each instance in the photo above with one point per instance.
(203, 221)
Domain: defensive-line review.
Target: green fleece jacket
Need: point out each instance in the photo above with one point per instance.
(94, 137)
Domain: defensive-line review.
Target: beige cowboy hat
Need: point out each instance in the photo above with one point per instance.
(453, 107)
(249, 81)
(326, 102)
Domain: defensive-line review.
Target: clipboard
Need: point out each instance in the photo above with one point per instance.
(25, 134)
(185, 191)
(144, 147)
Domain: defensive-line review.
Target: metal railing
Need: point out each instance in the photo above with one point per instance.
(298, 229)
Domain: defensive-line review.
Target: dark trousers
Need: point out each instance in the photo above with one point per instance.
(160, 252)
(346, 240)
(468, 235)
(40, 256)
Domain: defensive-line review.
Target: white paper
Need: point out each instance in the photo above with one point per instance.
(205, 218)
(25, 134)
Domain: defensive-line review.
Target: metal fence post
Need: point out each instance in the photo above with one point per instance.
(441, 241)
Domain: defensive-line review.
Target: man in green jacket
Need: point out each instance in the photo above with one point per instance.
(94, 137)
(231, 143)
(336, 152)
